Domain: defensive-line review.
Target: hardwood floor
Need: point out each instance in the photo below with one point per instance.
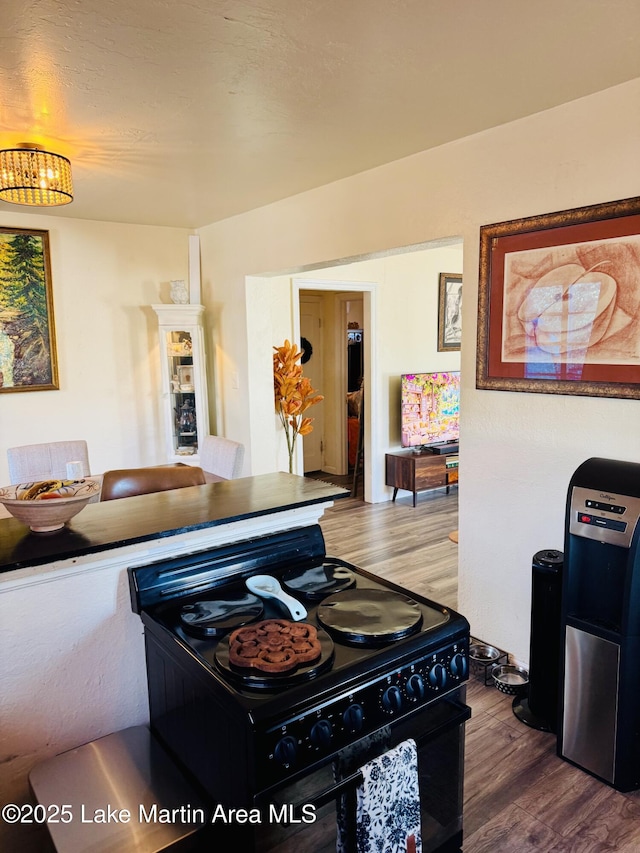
(519, 796)
(407, 545)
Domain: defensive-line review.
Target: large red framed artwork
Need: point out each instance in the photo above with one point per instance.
(559, 302)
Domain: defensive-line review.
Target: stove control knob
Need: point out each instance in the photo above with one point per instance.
(458, 665)
(353, 718)
(415, 686)
(438, 675)
(392, 699)
(321, 733)
(286, 750)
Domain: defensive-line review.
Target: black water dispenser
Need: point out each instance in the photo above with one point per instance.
(599, 728)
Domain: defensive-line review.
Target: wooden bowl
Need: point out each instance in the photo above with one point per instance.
(57, 502)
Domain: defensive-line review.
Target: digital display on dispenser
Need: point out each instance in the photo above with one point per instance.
(619, 510)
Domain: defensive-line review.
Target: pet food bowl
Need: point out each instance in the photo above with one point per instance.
(482, 653)
(510, 679)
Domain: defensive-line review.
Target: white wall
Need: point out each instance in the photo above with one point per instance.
(105, 276)
(517, 450)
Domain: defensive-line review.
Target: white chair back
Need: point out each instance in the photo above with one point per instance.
(221, 458)
(46, 461)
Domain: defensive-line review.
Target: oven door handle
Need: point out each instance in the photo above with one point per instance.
(460, 713)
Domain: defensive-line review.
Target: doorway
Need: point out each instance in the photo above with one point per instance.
(332, 340)
(326, 308)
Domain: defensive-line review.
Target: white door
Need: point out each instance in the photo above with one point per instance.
(311, 331)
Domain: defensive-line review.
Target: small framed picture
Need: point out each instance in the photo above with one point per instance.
(185, 377)
(449, 312)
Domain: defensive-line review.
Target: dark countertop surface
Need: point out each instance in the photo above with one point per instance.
(113, 524)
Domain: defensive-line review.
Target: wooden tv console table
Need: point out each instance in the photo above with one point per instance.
(416, 472)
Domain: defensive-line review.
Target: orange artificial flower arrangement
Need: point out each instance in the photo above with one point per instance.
(293, 395)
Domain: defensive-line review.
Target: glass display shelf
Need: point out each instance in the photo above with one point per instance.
(184, 386)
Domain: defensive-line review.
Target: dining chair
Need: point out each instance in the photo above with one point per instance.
(127, 482)
(221, 458)
(46, 461)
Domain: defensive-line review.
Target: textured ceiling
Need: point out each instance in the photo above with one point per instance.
(184, 113)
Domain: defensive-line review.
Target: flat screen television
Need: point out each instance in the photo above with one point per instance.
(430, 410)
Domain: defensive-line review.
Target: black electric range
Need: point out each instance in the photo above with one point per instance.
(387, 661)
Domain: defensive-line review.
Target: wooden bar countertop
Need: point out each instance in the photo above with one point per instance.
(113, 524)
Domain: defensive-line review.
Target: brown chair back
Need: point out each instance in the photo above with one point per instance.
(126, 482)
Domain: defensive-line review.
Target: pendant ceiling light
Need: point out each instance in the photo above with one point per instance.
(31, 175)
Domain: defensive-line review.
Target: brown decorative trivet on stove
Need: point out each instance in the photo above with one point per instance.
(274, 645)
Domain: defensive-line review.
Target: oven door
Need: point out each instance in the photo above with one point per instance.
(316, 813)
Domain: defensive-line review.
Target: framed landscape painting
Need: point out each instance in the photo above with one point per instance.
(27, 333)
(559, 302)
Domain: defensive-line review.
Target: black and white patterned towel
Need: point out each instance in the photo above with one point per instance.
(388, 803)
(350, 759)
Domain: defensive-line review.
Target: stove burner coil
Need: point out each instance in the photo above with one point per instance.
(370, 616)
(217, 618)
(317, 582)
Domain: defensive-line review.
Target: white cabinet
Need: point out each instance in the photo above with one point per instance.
(184, 380)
